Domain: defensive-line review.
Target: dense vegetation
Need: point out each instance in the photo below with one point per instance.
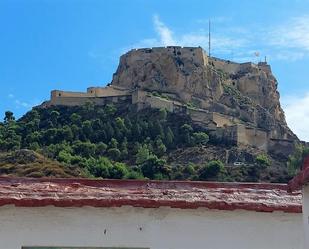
(105, 141)
(114, 142)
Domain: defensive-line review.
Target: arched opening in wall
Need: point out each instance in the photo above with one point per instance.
(233, 83)
(59, 94)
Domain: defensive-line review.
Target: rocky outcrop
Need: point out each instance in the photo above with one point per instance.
(246, 91)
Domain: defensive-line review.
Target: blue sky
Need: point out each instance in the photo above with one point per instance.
(74, 44)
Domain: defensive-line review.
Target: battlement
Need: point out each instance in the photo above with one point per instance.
(197, 54)
(93, 94)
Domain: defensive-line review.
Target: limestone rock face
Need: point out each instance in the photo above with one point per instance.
(246, 91)
(183, 72)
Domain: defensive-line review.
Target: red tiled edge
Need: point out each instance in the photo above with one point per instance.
(301, 178)
(149, 194)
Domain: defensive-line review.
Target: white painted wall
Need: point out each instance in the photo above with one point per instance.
(162, 228)
(306, 214)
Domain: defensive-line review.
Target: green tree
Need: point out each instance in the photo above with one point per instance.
(162, 114)
(263, 160)
(118, 171)
(113, 143)
(120, 123)
(54, 115)
(87, 128)
(169, 137)
(296, 160)
(66, 133)
(154, 166)
(160, 148)
(110, 109)
(64, 156)
(109, 130)
(124, 148)
(9, 117)
(211, 170)
(114, 153)
(136, 131)
(101, 148)
(75, 119)
(157, 129)
(11, 140)
(186, 131)
(85, 149)
(142, 155)
(99, 167)
(200, 138)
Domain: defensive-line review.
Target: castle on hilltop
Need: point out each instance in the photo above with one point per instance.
(237, 101)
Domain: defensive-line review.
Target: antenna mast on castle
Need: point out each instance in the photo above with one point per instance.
(209, 40)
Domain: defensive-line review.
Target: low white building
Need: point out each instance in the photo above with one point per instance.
(301, 181)
(75, 213)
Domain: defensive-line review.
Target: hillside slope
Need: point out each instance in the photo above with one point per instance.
(113, 141)
(27, 163)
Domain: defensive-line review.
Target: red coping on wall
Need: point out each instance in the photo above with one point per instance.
(262, 197)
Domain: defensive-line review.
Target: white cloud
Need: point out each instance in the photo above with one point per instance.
(166, 35)
(297, 114)
(22, 104)
(291, 34)
(288, 55)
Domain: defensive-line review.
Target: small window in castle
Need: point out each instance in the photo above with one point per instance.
(178, 53)
(234, 83)
(59, 94)
(91, 91)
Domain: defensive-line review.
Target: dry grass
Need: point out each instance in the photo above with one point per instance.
(27, 163)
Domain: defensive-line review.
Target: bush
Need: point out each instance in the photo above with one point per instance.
(153, 165)
(211, 170)
(263, 160)
(114, 153)
(134, 175)
(85, 149)
(189, 169)
(142, 155)
(200, 138)
(118, 171)
(100, 148)
(64, 156)
(99, 167)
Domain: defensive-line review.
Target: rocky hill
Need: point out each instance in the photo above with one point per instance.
(246, 91)
(169, 113)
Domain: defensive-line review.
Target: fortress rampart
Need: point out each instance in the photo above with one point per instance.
(196, 54)
(220, 125)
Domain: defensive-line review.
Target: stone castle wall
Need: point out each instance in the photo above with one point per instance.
(220, 125)
(252, 136)
(97, 95)
(197, 54)
(226, 127)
